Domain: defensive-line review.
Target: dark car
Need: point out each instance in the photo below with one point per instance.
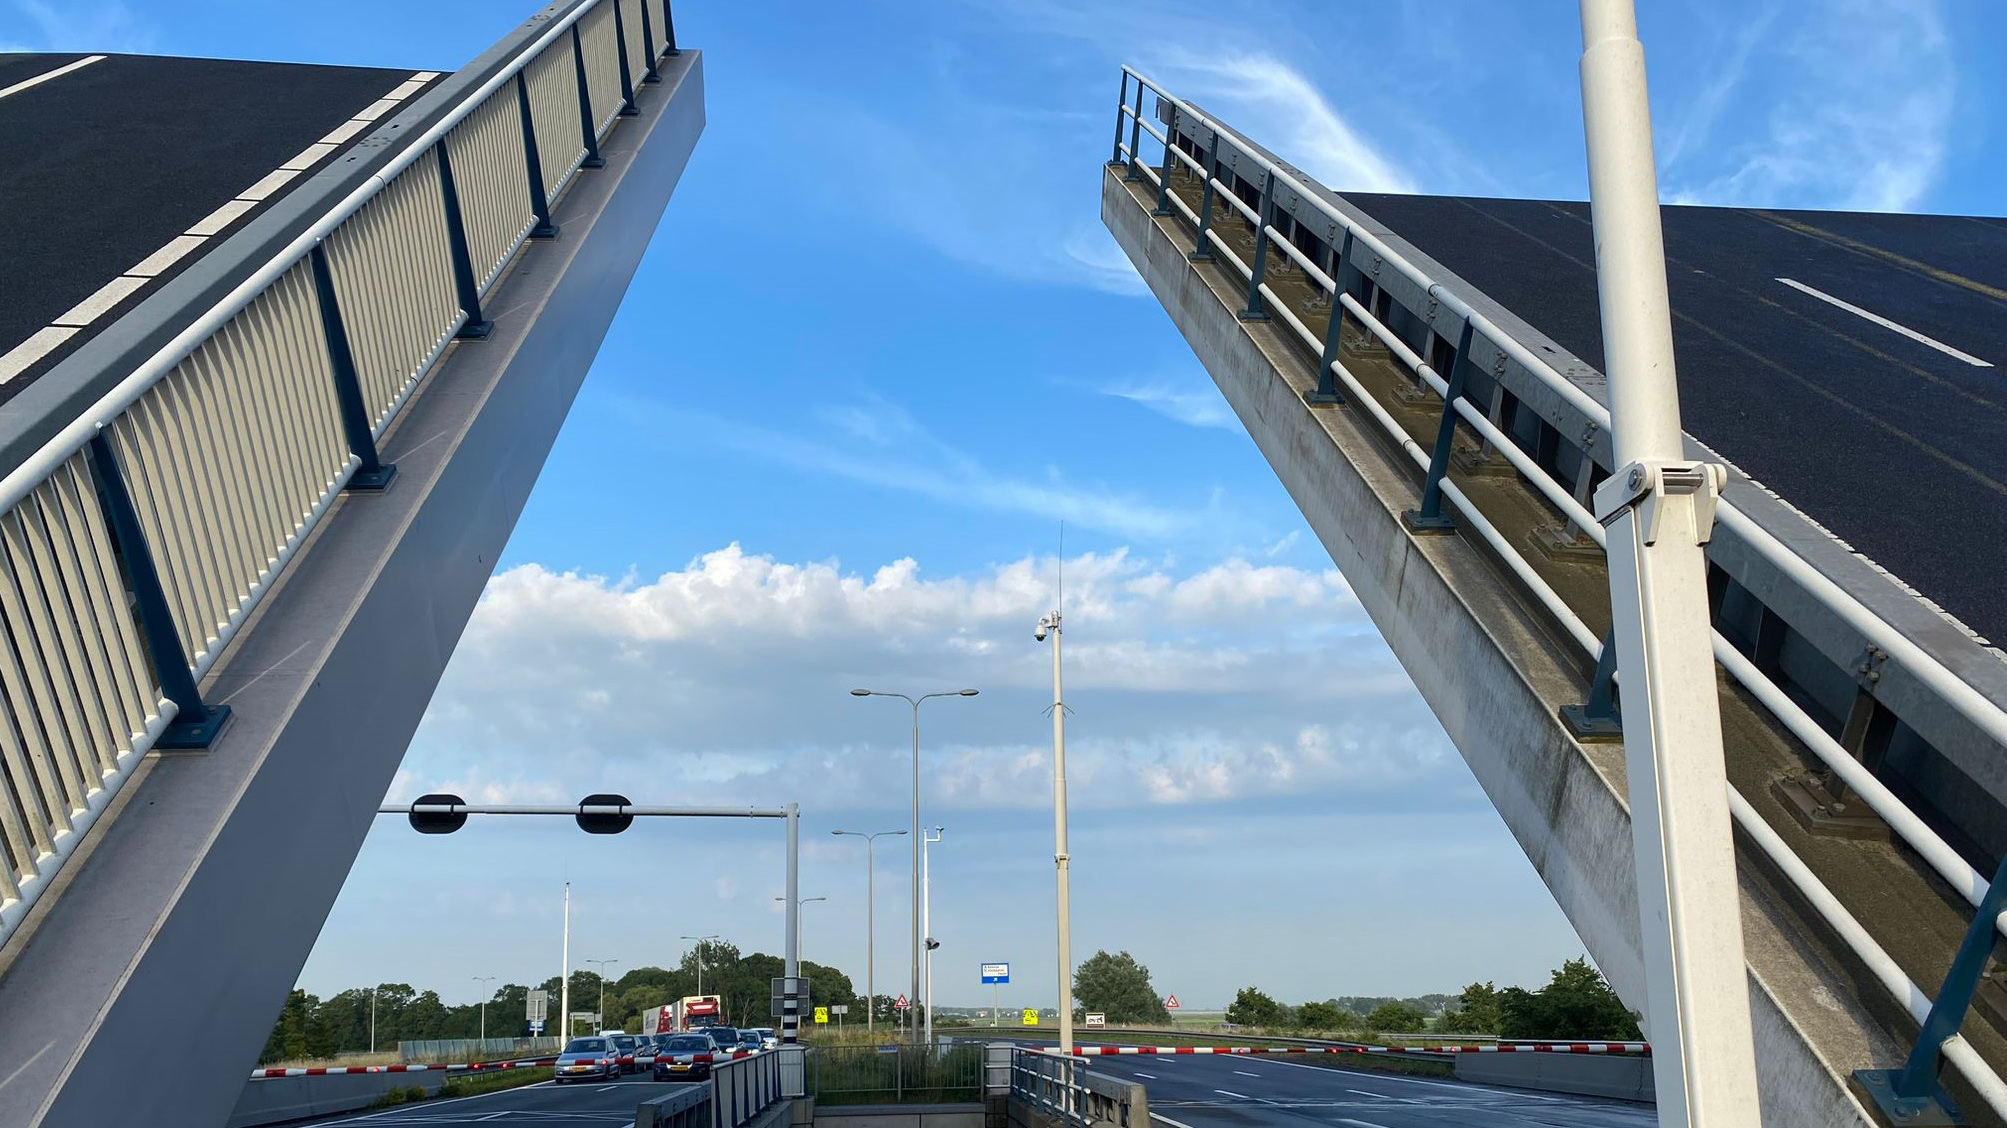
(684, 1057)
(587, 1059)
(654, 1044)
(625, 1046)
(750, 1041)
(727, 1038)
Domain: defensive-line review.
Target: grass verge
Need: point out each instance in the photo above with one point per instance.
(474, 1084)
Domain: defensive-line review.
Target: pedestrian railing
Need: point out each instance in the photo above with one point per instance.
(136, 542)
(1067, 1091)
(742, 1091)
(1353, 270)
(895, 1074)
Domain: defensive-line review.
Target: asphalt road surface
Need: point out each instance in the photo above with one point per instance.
(1854, 363)
(570, 1105)
(1229, 1092)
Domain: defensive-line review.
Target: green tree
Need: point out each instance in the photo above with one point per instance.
(1252, 1007)
(1323, 1016)
(1477, 1011)
(1576, 1003)
(1118, 987)
(1396, 1018)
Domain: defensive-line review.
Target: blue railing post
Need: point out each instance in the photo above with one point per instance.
(585, 125)
(1136, 136)
(627, 108)
(1203, 250)
(1327, 384)
(1911, 1095)
(1429, 518)
(1254, 310)
(651, 75)
(1164, 173)
(533, 161)
(195, 725)
(374, 475)
(464, 283)
(1598, 719)
(1121, 100)
(669, 31)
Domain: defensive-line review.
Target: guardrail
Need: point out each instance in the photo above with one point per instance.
(137, 541)
(742, 1091)
(1065, 1089)
(1349, 244)
(895, 1074)
(688, 1107)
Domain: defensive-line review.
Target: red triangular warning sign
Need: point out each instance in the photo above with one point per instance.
(1171, 1003)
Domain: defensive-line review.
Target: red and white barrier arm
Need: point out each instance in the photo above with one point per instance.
(1508, 1048)
(339, 1070)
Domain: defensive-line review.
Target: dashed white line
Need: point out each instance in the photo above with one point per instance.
(1885, 323)
(1169, 1121)
(66, 68)
(39, 344)
(1151, 1076)
(1245, 1073)
(1359, 1123)
(1241, 1096)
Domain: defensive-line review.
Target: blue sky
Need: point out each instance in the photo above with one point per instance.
(880, 348)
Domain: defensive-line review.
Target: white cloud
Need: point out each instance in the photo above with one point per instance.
(1195, 404)
(76, 26)
(1859, 94)
(728, 677)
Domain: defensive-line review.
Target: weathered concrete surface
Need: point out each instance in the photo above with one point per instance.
(1495, 677)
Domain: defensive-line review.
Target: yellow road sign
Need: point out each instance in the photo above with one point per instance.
(1030, 1017)
(822, 1016)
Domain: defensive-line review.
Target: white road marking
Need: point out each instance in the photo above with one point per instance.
(1359, 1123)
(1169, 1121)
(39, 344)
(1465, 1086)
(1224, 1093)
(1885, 323)
(1151, 1076)
(1245, 1073)
(66, 68)
(606, 1088)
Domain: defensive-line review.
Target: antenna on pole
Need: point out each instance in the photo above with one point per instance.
(1059, 598)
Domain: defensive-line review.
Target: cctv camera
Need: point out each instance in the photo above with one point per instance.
(1038, 632)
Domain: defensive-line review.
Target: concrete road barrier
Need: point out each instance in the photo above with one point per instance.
(282, 1099)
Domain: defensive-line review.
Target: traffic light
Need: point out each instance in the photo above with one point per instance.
(438, 822)
(600, 822)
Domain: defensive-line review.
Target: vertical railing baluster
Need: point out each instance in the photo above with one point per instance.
(669, 30)
(1327, 391)
(651, 75)
(627, 108)
(196, 724)
(1429, 518)
(464, 283)
(1121, 103)
(540, 202)
(374, 475)
(1164, 173)
(1136, 136)
(1202, 251)
(585, 122)
(1254, 310)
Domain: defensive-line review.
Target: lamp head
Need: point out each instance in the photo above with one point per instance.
(860, 693)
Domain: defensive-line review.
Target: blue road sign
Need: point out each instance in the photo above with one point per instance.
(537, 1027)
(996, 973)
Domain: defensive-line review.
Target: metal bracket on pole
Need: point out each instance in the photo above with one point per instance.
(533, 162)
(1648, 484)
(1911, 1095)
(465, 284)
(374, 475)
(652, 75)
(585, 124)
(627, 107)
(1430, 519)
(1202, 250)
(1254, 310)
(1327, 392)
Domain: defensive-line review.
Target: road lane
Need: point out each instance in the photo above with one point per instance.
(547, 1105)
(1225, 1092)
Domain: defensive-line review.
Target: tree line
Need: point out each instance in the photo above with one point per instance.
(310, 1027)
(1575, 1003)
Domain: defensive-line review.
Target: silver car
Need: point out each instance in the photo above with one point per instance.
(587, 1059)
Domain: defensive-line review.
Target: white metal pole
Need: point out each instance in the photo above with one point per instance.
(791, 947)
(870, 940)
(927, 922)
(372, 1019)
(564, 976)
(912, 1015)
(1659, 509)
(1062, 862)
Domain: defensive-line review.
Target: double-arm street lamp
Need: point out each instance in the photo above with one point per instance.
(797, 931)
(602, 987)
(700, 956)
(914, 998)
(870, 936)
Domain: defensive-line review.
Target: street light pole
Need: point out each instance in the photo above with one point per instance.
(914, 997)
(483, 980)
(927, 918)
(1062, 862)
(797, 933)
(1658, 507)
(564, 976)
(700, 956)
(602, 987)
(870, 935)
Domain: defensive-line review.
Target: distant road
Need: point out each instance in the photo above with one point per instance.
(608, 1105)
(1269, 1092)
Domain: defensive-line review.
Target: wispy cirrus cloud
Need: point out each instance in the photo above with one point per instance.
(1859, 97)
(1195, 404)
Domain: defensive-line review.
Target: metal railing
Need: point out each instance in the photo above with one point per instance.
(136, 541)
(1352, 243)
(743, 1090)
(1068, 1090)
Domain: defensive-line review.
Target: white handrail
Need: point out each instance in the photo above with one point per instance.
(1982, 712)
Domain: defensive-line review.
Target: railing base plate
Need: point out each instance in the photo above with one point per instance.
(1427, 526)
(373, 481)
(1589, 729)
(1933, 1111)
(185, 735)
(475, 330)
